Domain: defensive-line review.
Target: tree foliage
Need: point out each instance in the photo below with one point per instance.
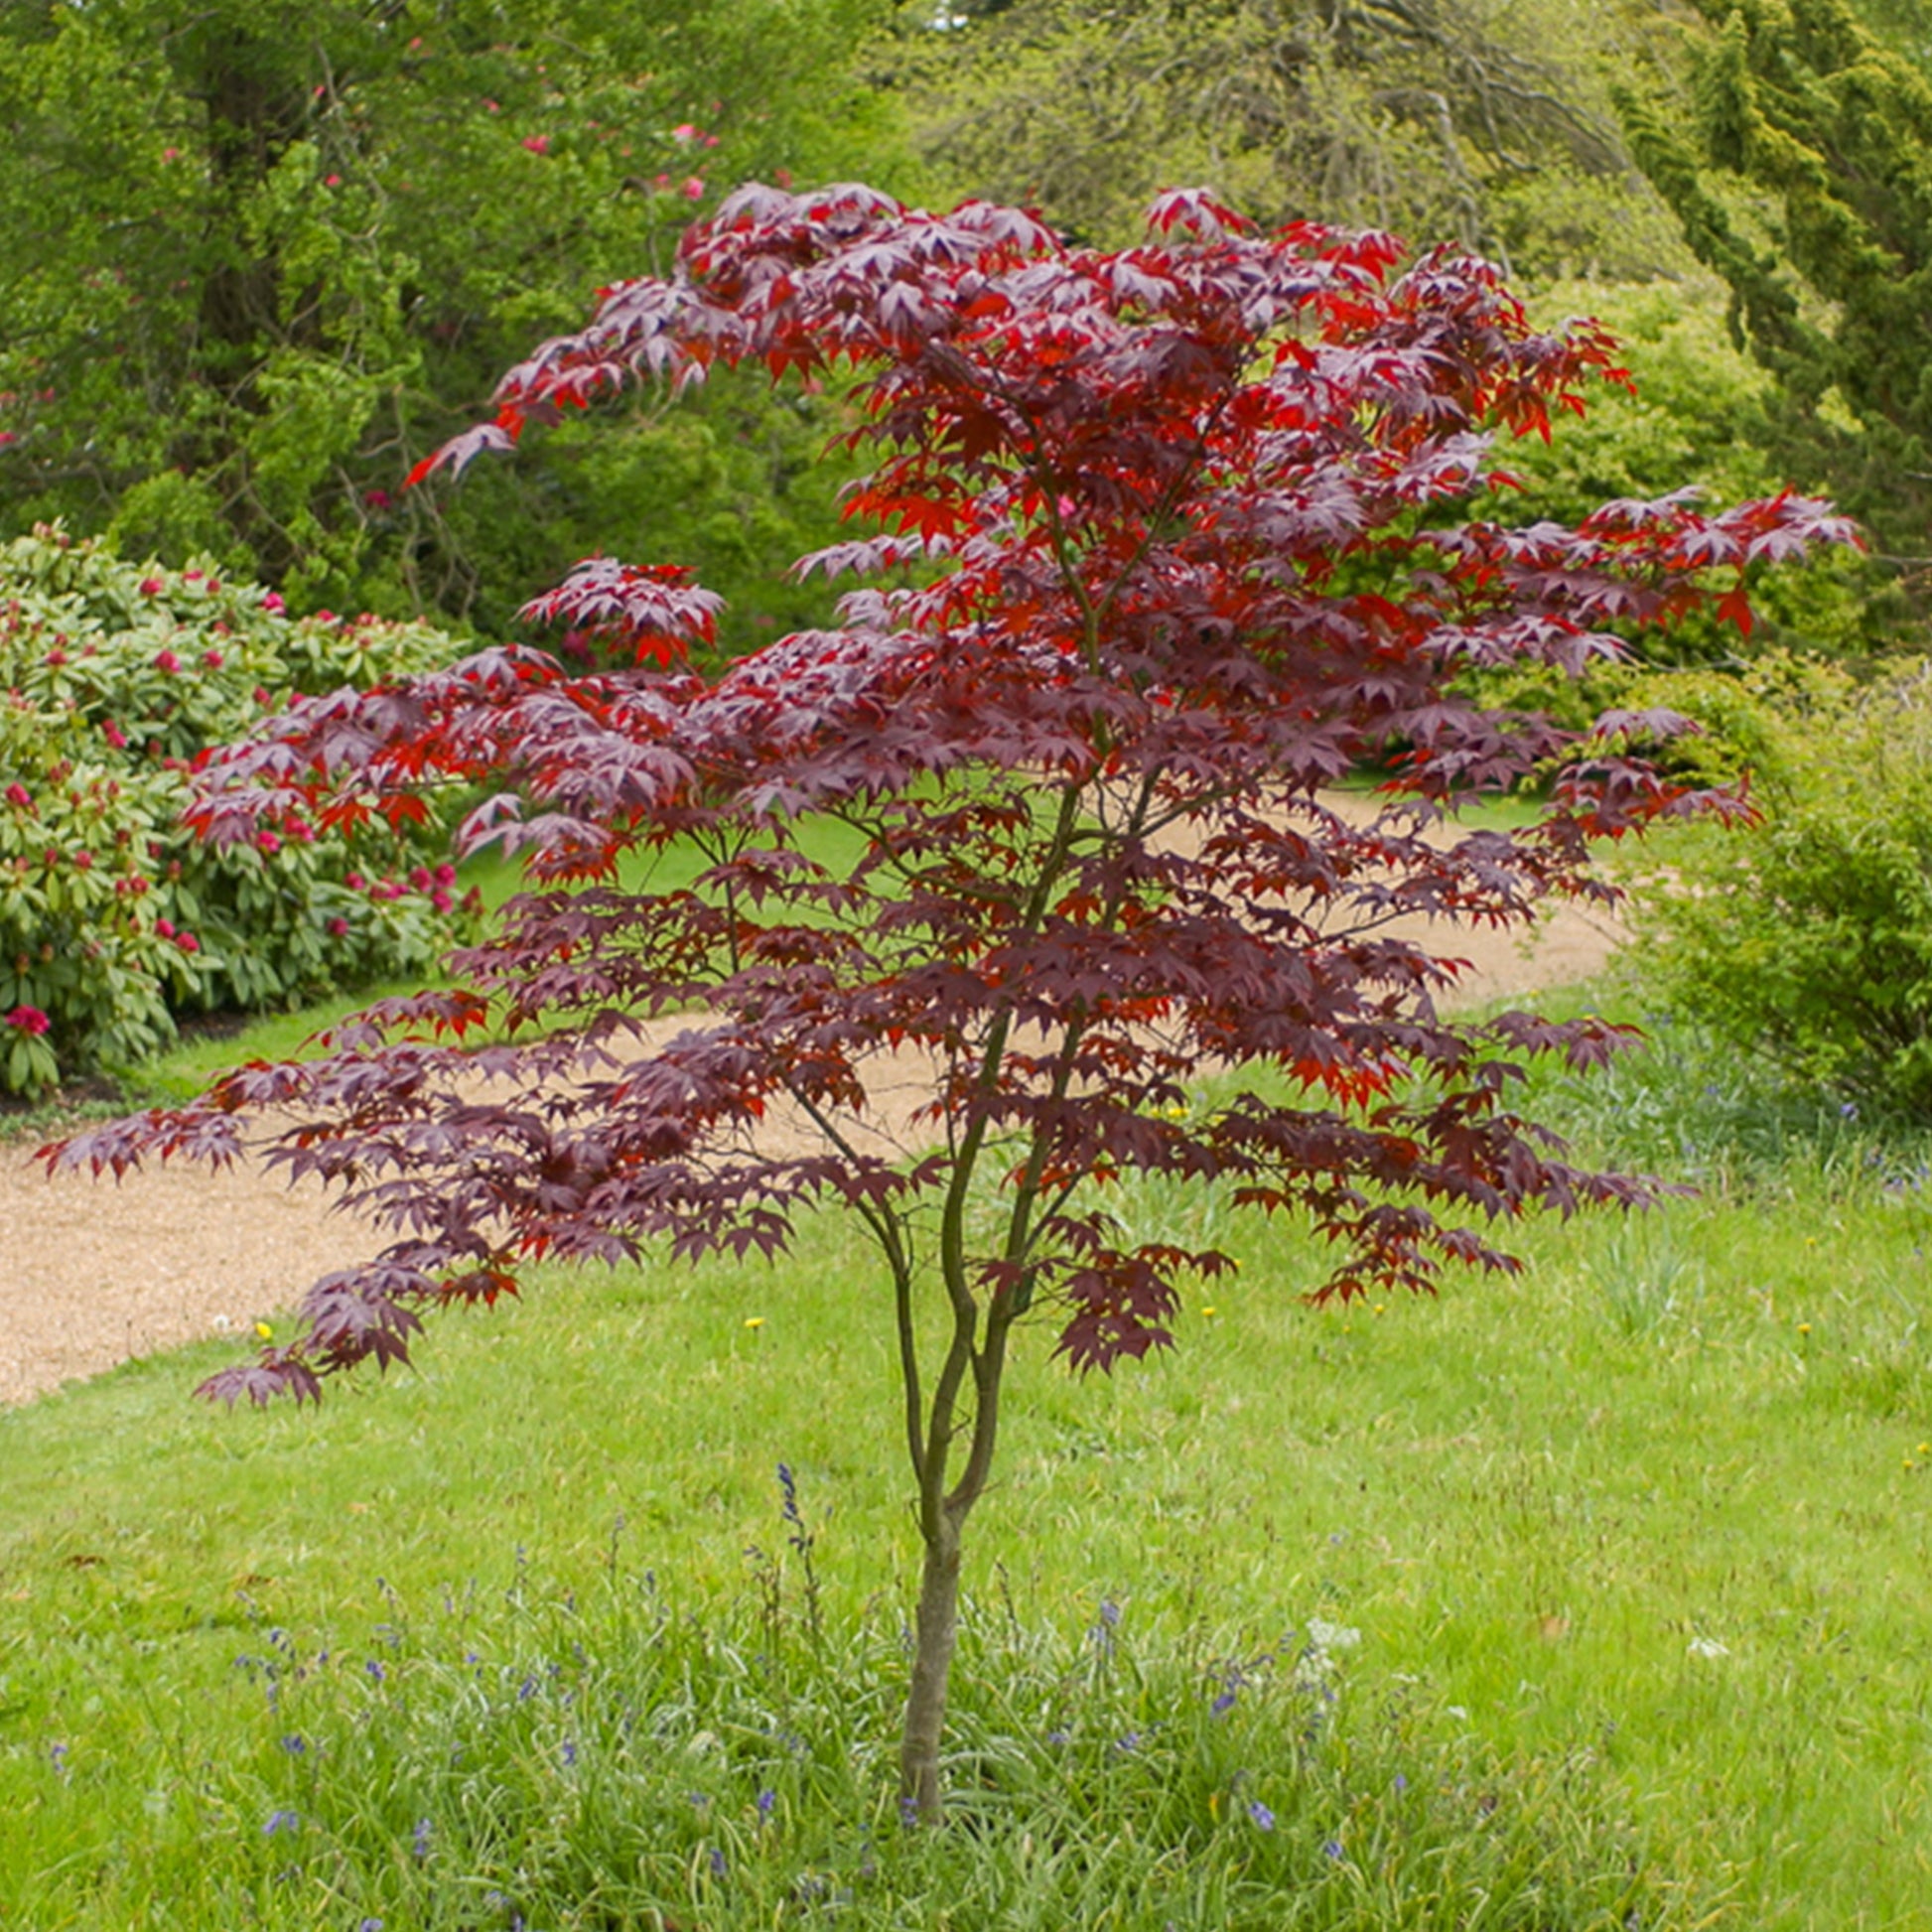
(1484, 121)
(1159, 546)
(263, 255)
(1827, 129)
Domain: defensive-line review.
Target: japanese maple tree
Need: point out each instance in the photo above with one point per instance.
(1159, 546)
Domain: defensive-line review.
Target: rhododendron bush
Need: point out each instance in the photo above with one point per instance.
(1157, 547)
(115, 681)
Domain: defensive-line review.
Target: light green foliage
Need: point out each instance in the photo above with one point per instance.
(1800, 166)
(1690, 422)
(1632, 1546)
(1484, 122)
(113, 677)
(1810, 936)
(265, 255)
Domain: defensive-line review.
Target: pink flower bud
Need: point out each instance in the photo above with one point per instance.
(267, 843)
(151, 586)
(693, 189)
(166, 928)
(446, 874)
(273, 605)
(337, 928)
(57, 658)
(213, 659)
(167, 661)
(113, 734)
(188, 942)
(538, 143)
(30, 1019)
(354, 882)
(19, 797)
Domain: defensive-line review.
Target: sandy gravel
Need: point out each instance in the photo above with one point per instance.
(92, 1273)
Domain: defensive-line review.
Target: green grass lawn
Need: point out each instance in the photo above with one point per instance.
(1635, 1546)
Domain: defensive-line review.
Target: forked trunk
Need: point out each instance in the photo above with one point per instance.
(925, 1706)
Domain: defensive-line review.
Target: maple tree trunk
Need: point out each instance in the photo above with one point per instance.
(936, 1633)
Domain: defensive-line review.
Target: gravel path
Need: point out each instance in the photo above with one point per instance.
(93, 1273)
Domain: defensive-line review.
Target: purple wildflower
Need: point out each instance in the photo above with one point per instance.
(419, 1840)
(768, 1800)
(718, 1862)
(1332, 1848)
(282, 1824)
(1263, 1817)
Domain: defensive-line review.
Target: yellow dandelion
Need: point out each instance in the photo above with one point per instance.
(754, 1322)
(265, 1332)
(1803, 1327)
(1210, 1310)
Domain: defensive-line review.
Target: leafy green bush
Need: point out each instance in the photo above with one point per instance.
(1810, 935)
(114, 677)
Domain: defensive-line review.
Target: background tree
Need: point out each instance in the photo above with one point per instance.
(1802, 175)
(263, 255)
(1485, 122)
(1184, 539)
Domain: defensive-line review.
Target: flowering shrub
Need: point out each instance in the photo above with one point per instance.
(114, 680)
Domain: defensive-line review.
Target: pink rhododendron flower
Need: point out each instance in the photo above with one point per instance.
(188, 942)
(113, 734)
(166, 928)
(57, 656)
(269, 843)
(538, 143)
(30, 1019)
(354, 882)
(693, 189)
(151, 586)
(19, 795)
(167, 661)
(271, 603)
(213, 659)
(684, 131)
(337, 928)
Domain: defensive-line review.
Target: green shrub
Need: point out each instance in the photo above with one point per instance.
(1810, 934)
(114, 677)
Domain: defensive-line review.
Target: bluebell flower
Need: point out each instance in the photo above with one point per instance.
(419, 1840)
(1332, 1848)
(718, 1861)
(295, 1746)
(1263, 1817)
(768, 1800)
(282, 1823)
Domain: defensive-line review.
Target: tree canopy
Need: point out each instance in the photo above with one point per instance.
(1802, 174)
(263, 255)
